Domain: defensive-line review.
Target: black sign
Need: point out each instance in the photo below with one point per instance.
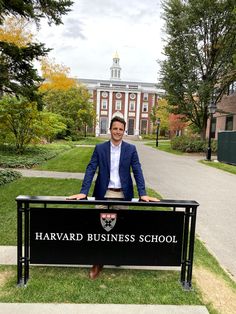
(110, 237)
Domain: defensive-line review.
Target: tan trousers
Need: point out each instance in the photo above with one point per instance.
(112, 194)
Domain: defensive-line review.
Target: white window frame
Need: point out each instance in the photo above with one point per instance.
(118, 105)
(145, 96)
(104, 104)
(145, 107)
(132, 105)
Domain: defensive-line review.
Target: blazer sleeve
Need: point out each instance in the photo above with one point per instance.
(89, 173)
(138, 173)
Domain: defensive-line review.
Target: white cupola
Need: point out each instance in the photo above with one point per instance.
(115, 68)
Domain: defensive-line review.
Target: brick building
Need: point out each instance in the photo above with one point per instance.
(131, 100)
(225, 117)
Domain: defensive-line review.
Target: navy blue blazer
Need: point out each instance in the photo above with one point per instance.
(101, 160)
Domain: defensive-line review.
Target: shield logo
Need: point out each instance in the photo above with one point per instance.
(108, 221)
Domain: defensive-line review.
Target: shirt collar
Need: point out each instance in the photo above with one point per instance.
(116, 146)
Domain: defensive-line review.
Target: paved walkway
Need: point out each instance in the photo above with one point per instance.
(183, 178)
(50, 308)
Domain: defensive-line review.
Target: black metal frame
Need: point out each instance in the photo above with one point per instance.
(23, 225)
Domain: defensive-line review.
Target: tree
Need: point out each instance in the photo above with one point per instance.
(162, 112)
(19, 121)
(72, 105)
(34, 10)
(51, 124)
(56, 77)
(17, 73)
(200, 47)
(176, 124)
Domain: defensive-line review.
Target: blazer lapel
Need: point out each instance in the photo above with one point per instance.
(108, 155)
(122, 153)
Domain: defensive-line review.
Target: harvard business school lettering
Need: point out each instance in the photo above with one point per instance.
(101, 237)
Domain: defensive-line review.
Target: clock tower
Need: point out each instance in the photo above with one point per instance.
(115, 68)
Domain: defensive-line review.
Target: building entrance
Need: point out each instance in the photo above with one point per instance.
(131, 127)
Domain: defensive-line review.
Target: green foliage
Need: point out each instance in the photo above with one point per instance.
(31, 157)
(35, 10)
(74, 105)
(191, 144)
(17, 74)
(51, 125)
(7, 176)
(19, 120)
(200, 46)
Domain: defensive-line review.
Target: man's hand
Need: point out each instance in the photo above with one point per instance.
(77, 197)
(147, 198)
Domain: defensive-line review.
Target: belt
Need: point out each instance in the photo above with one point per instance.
(115, 190)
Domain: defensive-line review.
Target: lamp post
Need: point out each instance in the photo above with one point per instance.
(212, 110)
(158, 126)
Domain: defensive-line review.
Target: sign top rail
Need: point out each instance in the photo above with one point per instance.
(91, 200)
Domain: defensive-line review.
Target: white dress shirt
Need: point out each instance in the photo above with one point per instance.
(114, 166)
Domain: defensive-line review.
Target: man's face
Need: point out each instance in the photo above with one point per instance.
(117, 132)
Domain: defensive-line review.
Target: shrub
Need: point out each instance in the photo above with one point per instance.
(192, 144)
(7, 176)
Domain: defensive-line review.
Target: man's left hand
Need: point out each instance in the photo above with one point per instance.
(147, 198)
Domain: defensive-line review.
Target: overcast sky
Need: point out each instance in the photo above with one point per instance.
(94, 30)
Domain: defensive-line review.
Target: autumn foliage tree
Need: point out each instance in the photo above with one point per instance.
(176, 124)
(56, 76)
(18, 75)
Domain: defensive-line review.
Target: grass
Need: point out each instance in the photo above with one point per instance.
(74, 160)
(33, 186)
(32, 156)
(165, 146)
(90, 141)
(72, 285)
(220, 165)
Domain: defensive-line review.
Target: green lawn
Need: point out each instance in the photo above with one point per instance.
(32, 156)
(220, 165)
(74, 160)
(164, 145)
(33, 186)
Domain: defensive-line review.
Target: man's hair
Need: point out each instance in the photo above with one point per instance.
(117, 119)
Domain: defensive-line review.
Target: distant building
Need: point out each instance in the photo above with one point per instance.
(225, 117)
(131, 100)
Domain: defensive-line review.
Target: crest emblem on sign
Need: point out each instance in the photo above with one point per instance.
(108, 221)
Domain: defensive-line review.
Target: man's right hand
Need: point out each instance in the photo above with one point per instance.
(77, 197)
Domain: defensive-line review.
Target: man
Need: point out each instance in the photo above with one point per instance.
(113, 160)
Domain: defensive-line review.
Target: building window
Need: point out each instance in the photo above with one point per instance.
(213, 128)
(103, 126)
(229, 123)
(118, 104)
(104, 104)
(118, 95)
(232, 88)
(145, 96)
(145, 107)
(144, 127)
(132, 106)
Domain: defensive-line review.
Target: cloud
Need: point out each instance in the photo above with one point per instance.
(73, 29)
(94, 30)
